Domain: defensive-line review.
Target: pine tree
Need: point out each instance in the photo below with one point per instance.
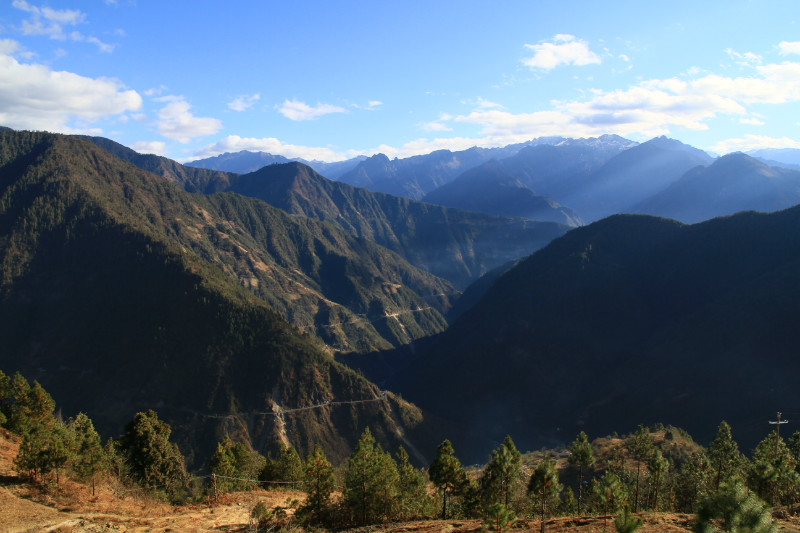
(223, 466)
(319, 485)
(641, 448)
(412, 497)
(447, 474)
(609, 494)
(151, 458)
(733, 508)
(370, 482)
(499, 518)
(288, 466)
(773, 475)
(502, 473)
(657, 466)
(723, 454)
(625, 523)
(90, 457)
(581, 456)
(693, 482)
(544, 486)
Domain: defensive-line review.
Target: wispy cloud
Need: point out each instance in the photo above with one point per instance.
(235, 143)
(243, 102)
(150, 147)
(296, 110)
(563, 49)
(438, 124)
(32, 96)
(176, 122)
(786, 48)
(754, 142)
(52, 22)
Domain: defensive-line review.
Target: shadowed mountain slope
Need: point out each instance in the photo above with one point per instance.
(630, 320)
(735, 182)
(631, 177)
(492, 189)
(113, 297)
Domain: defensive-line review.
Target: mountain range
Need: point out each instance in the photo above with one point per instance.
(244, 162)
(131, 282)
(453, 244)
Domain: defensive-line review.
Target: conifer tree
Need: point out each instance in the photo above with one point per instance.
(723, 454)
(581, 456)
(319, 485)
(641, 448)
(657, 466)
(447, 474)
(733, 508)
(773, 475)
(223, 466)
(544, 486)
(499, 518)
(693, 482)
(90, 457)
(412, 497)
(151, 458)
(502, 473)
(370, 481)
(625, 523)
(609, 494)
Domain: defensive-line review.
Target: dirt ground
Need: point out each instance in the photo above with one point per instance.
(71, 508)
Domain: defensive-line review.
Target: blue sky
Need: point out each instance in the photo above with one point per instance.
(332, 80)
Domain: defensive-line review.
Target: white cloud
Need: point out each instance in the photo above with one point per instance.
(9, 46)
(787, 47)
(177, 123)
(745, 59)
(754, 142)
(48, 21)
(652, 107)
(752, 121)
(34, 97)
(564, 50)
(374, 103)
(150, 147)
(243, 102)
(296, 110)
(51, 22)
(438, 124)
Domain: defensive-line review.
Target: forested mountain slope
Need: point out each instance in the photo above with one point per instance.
(633, 319)
(353, 294)
(453, 244)
(121, 292)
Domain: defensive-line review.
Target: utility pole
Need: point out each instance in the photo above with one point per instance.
(777, 424)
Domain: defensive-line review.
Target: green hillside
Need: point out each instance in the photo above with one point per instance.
(456, 245)
(121, 292)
